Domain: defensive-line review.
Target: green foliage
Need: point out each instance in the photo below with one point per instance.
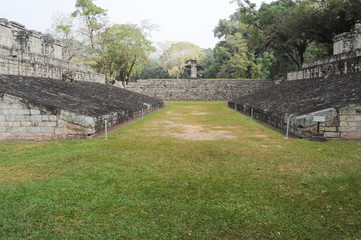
(207, 62)
(239, 55)
(174, 58)
(91, 13)
(128, 50)
(290, 27)
(118, 51)
(150, 181)
(153, 70)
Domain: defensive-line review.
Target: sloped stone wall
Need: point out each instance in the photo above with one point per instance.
(338, 98)
(22, 121)
(48, 109)
(19, 121)
(198, 89)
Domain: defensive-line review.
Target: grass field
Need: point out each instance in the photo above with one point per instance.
(190, 171)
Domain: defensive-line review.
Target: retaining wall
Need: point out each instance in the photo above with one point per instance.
(198, 89)
(33, 65)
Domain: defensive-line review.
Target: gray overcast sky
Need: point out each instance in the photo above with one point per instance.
(178, 20)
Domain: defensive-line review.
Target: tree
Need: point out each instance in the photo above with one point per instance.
(95, 29)
(291, 26)
(235, 59)
(153, 70)
(63, 28)
(207, 62)
(284, 24)
(128, 50)
(174, 58)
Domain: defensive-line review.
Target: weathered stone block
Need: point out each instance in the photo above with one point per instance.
(354, 124)
(332, 134)
(343, 124)
(59, 131)
(332, 124)
(84, 121)
(23, 112)
(35, 118)
(20, 118)
(52, 118)
(71, 129)
(346, 118)
(357, 118)
(11, 118)
(25, 124)
(350, 135)
(347, 129)
(51, 124)
(330, 129)
(47, 130)
(12, 111)
(34, 111)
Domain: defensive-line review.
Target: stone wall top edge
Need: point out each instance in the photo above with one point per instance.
(345, 35)
(333, 58)
(210, 79)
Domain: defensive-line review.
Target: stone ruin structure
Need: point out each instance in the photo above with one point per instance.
(193, 68)
(346, 58)
(328, 88)
(30, 53)
(35, 104)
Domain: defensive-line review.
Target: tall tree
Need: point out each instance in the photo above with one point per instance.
(128, 50)
(96, 30)
(290, 26)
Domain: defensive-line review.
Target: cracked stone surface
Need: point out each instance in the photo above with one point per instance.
(305, 96)
(84, 98)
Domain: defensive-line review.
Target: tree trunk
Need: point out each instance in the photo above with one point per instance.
(131, 69)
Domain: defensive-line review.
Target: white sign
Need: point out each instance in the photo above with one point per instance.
(319, 118)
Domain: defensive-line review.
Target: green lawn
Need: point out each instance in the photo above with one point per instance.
(194, 170)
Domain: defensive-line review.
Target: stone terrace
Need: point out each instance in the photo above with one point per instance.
(48, 109)
(198, 89)
(338, 98)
